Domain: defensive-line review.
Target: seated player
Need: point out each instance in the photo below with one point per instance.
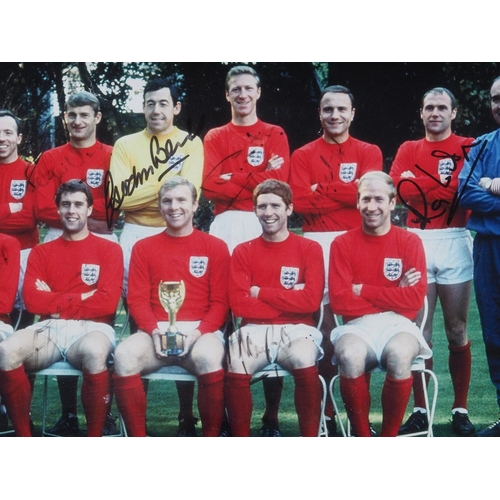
(74, 284)
(377, 282)
(276, 284)
(9, 277)
(201, 261)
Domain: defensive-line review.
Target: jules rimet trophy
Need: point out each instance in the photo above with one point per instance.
(172, 294)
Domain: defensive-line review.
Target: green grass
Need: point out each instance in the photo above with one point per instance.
(163, 403)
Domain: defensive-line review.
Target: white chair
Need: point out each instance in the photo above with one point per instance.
(418, 368)
(54, 370)
(175, 373)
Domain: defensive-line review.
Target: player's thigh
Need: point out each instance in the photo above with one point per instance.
(90, 352)
(399, 353)
(354, 355)
(299, 353)
(206, 355)
(29, 348)
(249, 349)
(455, 301)
(432, 295)
(136, 354)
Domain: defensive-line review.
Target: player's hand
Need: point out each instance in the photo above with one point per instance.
(86, 295)
(410, 278)
(156, 334)
(15, 207)
(189, 339)
(408, 174)
(299, 286)
(226, 177)
(356, 289)
(98, 226)
(485, 183)
(254, 292)
(41, 286)
(275, 162)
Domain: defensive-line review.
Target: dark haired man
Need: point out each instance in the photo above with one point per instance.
(324, 175)
(140, 164)
(426, 173)
(73, 283)
(17, 196)
(87, 159)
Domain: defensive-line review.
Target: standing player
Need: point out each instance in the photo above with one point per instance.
(378, 297)
(276, 284)
(239, 156)
(426, 173)
(479, 183)
(9, 277)
(201, 261)
(324, 176)
(140, 164)
(16, 202)
(74, 284)
(87, 159)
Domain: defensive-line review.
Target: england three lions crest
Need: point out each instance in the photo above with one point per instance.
(90, 273)
(95, 177)
(289, 276)
(393, 269)
(17, 189)
(255, 155)
(347, 171)
(446, 166)
(198, 266)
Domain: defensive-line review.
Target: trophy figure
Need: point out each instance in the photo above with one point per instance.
(171, 294)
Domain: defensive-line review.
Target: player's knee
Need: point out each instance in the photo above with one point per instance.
(126, 361)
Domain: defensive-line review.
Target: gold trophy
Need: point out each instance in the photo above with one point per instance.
(172, 294)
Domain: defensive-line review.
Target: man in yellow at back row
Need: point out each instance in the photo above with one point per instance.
(140, 165)
(142, 162)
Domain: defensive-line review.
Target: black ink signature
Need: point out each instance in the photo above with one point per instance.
(439, 207)
(115, 195)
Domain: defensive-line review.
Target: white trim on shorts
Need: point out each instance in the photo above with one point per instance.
(65, 332)
(325, 239)
(378, 329)
(131, 234)
(235, 227)
(275, 337)
(448, 253)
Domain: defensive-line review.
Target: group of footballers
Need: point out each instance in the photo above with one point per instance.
(254, 290)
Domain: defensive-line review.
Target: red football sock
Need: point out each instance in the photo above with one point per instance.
(356, 396)
(131, 401)
(16, 396)
(418, 388)
(395, 396)
(211, 402)
(273, 387)
(238, 403)
(459, 363)
(307, 400)
(95, 401)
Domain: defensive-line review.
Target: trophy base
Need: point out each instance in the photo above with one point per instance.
(170, 344)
